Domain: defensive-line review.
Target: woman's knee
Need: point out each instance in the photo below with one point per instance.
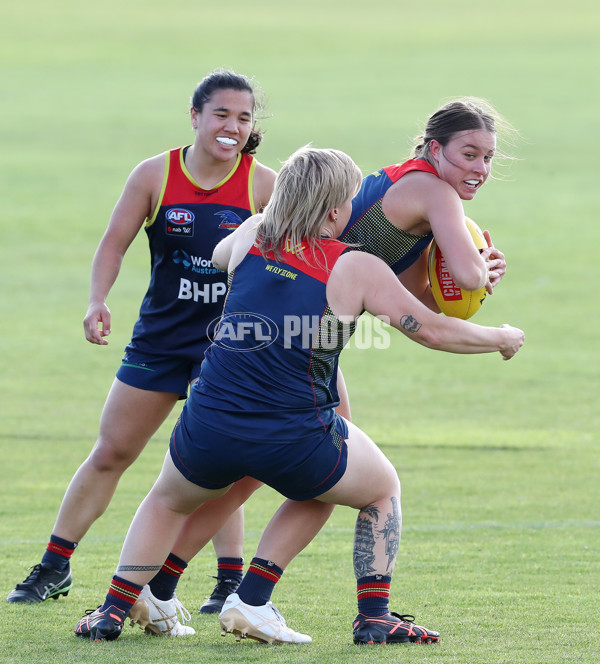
(390, 479)
(110, 455)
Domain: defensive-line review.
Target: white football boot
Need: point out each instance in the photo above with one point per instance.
(156, 616)
(262, 623)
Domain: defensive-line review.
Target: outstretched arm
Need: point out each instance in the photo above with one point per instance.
(361, 282)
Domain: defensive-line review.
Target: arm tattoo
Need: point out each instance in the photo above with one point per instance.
(410, 324)
(139, 568)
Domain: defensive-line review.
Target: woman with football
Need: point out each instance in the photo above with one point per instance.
(401, 208)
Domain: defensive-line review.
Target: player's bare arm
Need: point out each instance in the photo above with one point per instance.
(230, 250)
(132, 209)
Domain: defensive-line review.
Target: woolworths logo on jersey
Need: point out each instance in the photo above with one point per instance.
(246, 332)
(193, 263)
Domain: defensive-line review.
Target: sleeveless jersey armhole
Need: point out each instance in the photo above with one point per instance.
(152, 219)
(251, 187)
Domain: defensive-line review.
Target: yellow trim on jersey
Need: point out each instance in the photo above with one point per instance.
(188, 175)
(152, 219)
(250, 188)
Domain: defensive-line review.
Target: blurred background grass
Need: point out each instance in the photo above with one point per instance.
(89, 90)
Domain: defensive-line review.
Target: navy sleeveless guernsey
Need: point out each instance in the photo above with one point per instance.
(371, 231)
(270, 374)
(186, 293)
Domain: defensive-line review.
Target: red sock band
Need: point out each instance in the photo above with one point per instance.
(169, 567)
(65, 552)
(373, 589)
(267, 572)
(124, 590)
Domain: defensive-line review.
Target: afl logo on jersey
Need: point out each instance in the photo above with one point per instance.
(180, 222)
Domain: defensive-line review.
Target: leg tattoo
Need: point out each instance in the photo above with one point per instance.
(391, 533)
(139, 568)
(364, 542)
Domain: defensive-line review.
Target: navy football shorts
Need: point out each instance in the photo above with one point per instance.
(158, 373)
(299, 469)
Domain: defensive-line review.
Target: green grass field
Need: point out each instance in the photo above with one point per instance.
(499, 461)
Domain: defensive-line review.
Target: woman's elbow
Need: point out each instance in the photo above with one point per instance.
(430, 336)
(471, 279)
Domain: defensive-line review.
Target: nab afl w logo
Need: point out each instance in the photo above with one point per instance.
(180, 222)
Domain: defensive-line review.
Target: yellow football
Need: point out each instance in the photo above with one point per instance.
(452, 300)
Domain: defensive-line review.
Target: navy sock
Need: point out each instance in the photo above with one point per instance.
(231, 569)
(165, 581)
(122, 594)
(259, 582)
(58, 553)
(373, 594)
